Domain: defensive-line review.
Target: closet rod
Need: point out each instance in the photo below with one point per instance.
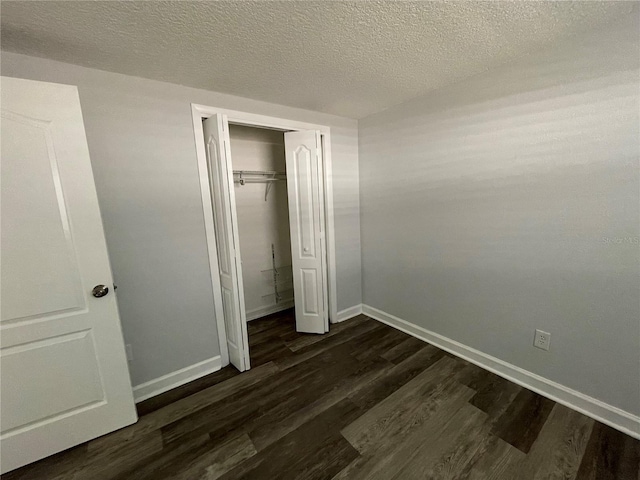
(269, 177)
(256, 180)
(258, 172)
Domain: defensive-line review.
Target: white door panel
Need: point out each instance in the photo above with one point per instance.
(35, 177)
(64, 371)
(216, 134)
(306, 217)
(66, 364)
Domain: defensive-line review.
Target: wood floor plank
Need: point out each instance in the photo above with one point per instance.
(558, 448)
(473, 376)
(378, 343)
(492, 462)
(462, 451)
(277, 398)
(218, 461)
(444, 458)
(520, 424)
(268, 351)
(222, 417)
(311, 351)
(51, 467)
(363, 402)
(166, 463)
(187, 406)
(274, 333)
(110, 461)
(407, 406)
(183, 391)
(315, 450)
(273, 427)
(495, 396)
(404, 350)
(301, 341)
(610, 455)
(397, 377)
(270, 321)
(331, 369)
(384, 459)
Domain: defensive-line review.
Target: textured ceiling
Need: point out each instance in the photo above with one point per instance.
(345, 58)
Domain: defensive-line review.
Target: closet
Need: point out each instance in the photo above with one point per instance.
(265, 218)
(260, 187)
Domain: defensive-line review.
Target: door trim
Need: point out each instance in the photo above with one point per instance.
(201, 112)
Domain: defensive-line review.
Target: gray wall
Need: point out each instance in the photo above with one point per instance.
(262, 223)
(142, 148)
(510, 202)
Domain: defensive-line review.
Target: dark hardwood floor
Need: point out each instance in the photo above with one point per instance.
(362, 402)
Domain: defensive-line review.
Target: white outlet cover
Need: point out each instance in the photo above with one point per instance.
(542, 340)
(129, 351)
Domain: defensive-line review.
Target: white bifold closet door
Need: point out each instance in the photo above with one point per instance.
(216, 135)
(305, 189)
(64, 371)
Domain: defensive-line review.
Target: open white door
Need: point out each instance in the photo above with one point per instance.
(216, 136)
(64, 371)
(306, 217)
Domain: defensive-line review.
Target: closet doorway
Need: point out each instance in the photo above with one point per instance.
(267, 200)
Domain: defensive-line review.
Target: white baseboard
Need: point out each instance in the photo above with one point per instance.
(348, 313)
(175, 379)
(268, 310)
(592, 407)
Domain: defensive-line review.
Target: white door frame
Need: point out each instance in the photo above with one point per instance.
(201, 112)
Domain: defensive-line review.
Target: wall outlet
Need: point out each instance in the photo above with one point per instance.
(129, 350)
(542, 340)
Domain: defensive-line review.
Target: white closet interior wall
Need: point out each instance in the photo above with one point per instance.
(262, 223)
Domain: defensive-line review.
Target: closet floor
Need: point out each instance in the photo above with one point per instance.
(364, 401)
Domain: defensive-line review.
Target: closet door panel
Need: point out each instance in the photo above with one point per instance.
(229, 314)
(216, 134)
(310, 291)
(305, 204)
(304, 186)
